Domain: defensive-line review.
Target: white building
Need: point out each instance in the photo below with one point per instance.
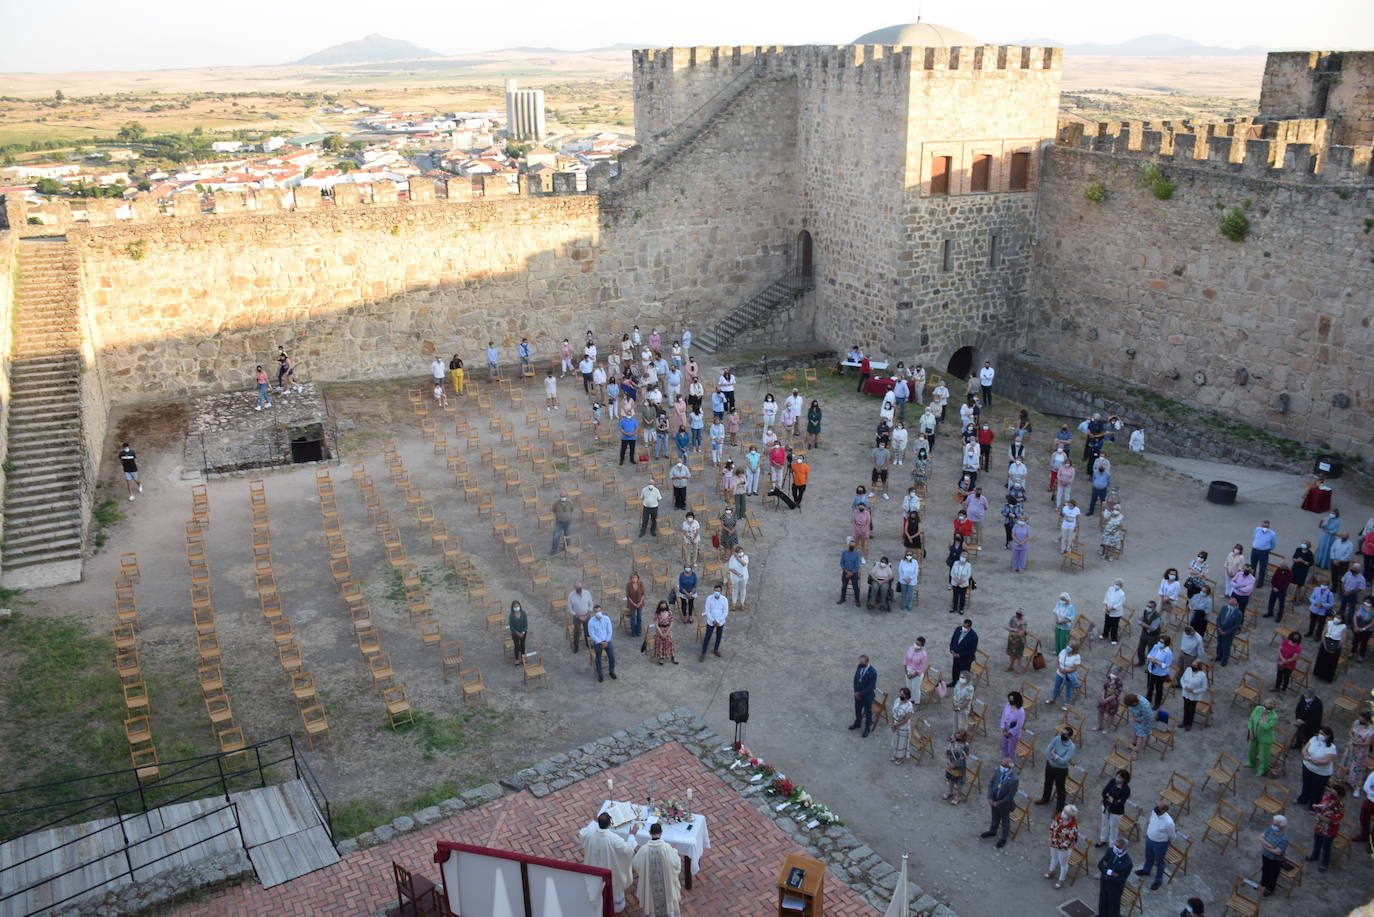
(524, 113)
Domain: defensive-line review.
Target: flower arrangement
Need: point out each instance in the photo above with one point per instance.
(670, 811)
(777, 785)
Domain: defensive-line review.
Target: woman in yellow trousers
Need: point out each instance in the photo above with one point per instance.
(455, 368)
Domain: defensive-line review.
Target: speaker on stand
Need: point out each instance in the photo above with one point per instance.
(739, 714)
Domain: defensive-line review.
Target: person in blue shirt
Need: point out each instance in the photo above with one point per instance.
(696, 422)
(524, 354)
(1102, 481)
(850, 560)
(687, 592)
(683, 440)
(718, 404)
(493, 362)
(599, 631)
(1264, 541)
(629, 432)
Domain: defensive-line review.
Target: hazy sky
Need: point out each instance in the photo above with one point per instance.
(61, 35)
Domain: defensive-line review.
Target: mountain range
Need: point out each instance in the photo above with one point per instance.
(376, 48)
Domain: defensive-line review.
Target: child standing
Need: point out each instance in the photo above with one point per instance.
(732, 427)
(550, 392)
(717, 438)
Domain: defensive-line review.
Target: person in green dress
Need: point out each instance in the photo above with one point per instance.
(813, 425)
(1261, 733)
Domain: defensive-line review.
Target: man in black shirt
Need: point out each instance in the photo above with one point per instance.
(130, 463)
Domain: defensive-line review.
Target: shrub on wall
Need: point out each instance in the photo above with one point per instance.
(1235, 225)
(1095, 192)
(1160, 186)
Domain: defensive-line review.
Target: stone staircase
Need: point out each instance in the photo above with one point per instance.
(43, 530)
(752, 311)
(636, 170)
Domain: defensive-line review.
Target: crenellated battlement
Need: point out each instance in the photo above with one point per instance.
(1291, 150)
(986, 58)
(57, 214)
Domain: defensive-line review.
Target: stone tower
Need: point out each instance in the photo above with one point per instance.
(911, 197)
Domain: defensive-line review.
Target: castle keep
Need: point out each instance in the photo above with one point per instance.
(914, 193)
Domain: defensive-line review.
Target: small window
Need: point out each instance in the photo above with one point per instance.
(939, 174)
(947, 256)
(980, 177)
(1020, 171)
(994, 250)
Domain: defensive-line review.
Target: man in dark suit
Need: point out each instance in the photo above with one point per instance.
(1002, 799)
(865, 683)
(1114, 869)
(963, 646)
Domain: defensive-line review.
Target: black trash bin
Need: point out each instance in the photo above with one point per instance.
(1329, 465)
(1221, 492)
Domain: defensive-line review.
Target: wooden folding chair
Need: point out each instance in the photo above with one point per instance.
(1245, 898)
(289, 656)
(1021, 814)
(1178, 792)
(1025, 746)
(532, 669)
(219, 712)
(471, 682)
(1224, 772)
(1272, 800)
(128, 567)
(429, 633)
(921, 740)
(1249, 691)
(1119, 758)
(398, 711)
(380, 668)
(316, 725)
(136, 698)
(1225, 824)
(369, 643)
(208, 645)
(303, 688)
(977, 717)
(138, 730)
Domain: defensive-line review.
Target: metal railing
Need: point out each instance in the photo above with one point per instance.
(131, 798)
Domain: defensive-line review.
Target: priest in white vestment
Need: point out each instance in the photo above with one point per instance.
(659, 867)
(604, 848)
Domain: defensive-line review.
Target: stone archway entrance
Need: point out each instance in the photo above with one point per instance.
(804, 264)
(961, 363)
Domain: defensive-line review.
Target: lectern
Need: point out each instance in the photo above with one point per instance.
(801, 887)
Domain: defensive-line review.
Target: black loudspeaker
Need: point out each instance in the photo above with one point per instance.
(739, 706)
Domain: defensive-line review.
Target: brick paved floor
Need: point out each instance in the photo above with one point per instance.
(737, 874)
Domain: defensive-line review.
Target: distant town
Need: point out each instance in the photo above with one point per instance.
(395, 146)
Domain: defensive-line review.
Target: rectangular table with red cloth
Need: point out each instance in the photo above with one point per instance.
(1317, 500)
(879, 385)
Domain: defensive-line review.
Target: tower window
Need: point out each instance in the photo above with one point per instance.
(980, 177)
(994, 250)
(939, 174)
(947, 256)
(1020, 171)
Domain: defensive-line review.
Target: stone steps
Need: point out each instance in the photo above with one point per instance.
(750, 313)
(43, 528)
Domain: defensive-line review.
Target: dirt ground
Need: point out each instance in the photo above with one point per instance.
(794, 649)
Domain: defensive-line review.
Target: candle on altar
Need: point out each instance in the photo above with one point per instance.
(689, 794)
(610, 785)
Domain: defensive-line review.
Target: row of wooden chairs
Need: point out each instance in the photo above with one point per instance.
(137, 728)
(214, 696)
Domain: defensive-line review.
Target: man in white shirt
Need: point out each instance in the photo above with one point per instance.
(717, 610)
(691, 539)
(1113, 606)
(599, 632)
(679, 475)
(739, 578)
(603, 848)
(580, 607)
(649, 498)
(438, 370)
(985, 377)
(1160, 833)
(1067, 674)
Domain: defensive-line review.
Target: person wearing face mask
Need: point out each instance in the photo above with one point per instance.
(519, 627)
(1159, 834)
(1261, 544)
(960, 576)
(914, 665)
(1301, 563)
(717, 610)
(963, 649)
(985, 440)
(562, 522)
(1169, 589)
(1064, 615)
(1002, 789)
(1329, 527)
(1059, 754)
(908, 578)
(1114, 869)
(687, 592)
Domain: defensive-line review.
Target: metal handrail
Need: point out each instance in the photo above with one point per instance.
(124, 850)
(313, 785)
(140, 788)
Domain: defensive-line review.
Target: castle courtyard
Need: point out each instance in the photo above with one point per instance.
(793, 648)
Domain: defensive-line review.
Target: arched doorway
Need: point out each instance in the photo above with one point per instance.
(961, 363)
(804, 254)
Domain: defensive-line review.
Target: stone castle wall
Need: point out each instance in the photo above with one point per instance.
(193, 302)
(1322, 84)
(9, 265)
(1274, 330)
